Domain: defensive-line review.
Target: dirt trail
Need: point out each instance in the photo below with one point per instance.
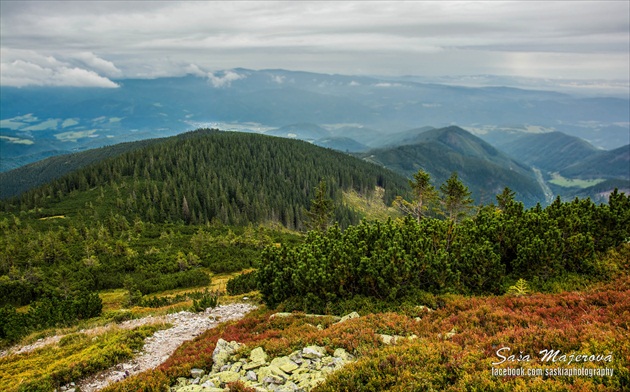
(157, 348)
(162, 344)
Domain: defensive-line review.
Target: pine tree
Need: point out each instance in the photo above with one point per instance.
(505, 199)
(456, 199)
(424, 195)
(185, 210)
(319, 215)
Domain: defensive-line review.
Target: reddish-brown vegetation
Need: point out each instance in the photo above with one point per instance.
(593, 322)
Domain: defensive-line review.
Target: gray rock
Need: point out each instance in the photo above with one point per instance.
(313, 352)
(194, 373)
(252, 365)
(191, 388)
(285, 364)
(343, 354)
(349, 316)
(222, 353)
(227, 376)
(258, 355)
(271, 379)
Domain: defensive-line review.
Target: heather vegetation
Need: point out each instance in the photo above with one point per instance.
(451, 348)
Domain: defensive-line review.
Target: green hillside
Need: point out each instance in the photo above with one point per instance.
(30, 176)
(204, 175)
(551, 151)
(604, 164)
(484, 169)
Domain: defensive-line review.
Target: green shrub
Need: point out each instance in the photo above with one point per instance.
(243, 283)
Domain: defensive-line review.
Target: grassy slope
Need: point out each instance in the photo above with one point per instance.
(77, 355)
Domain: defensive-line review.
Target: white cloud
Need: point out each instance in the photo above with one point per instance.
(152, 39)
(193, 69)
(387, 84)
(98, 64)
(278, 78)
(225, 80)
(20, 68)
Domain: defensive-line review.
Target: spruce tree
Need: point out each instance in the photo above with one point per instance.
(424, 195)
(319, 216)
(456, 200)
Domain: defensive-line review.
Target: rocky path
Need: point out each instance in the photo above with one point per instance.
(162, 344)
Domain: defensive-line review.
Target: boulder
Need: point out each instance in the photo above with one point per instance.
(258, 355)
(222, 352)
(285, 364)
(313, 352)
(349, 316)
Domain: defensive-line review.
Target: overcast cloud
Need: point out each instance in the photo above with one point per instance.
(93, 43)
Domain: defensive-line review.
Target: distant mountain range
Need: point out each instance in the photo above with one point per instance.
(485, 169)
(38, 122)
(579, 145)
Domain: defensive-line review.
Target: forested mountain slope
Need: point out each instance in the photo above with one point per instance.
(604, 164)
(30, 176)
(235, 178)
(551, 151)
(483, 168)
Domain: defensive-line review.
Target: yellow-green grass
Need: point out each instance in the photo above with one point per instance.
(76, 356)
(557, 179)
(114, 300)
(373, 207)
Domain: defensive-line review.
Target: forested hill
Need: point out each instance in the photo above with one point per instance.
(483, 168)
(203, 175)
(17, 181)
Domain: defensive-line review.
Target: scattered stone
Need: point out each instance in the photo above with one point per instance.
(286, 314)
(300, 371)
(312, 352)
(194, 373)
(349, 316)
(343, 354)
(389, 339)
(227, 376)
(285, 364)
(222, 353)
(450, 334)
(258, 355)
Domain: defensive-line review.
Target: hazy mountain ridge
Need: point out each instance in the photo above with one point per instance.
(603, 164)
(549, 151)
(60, 119)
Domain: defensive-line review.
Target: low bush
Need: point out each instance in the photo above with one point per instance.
(243, 283)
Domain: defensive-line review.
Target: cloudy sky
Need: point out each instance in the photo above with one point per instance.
(80, 43)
